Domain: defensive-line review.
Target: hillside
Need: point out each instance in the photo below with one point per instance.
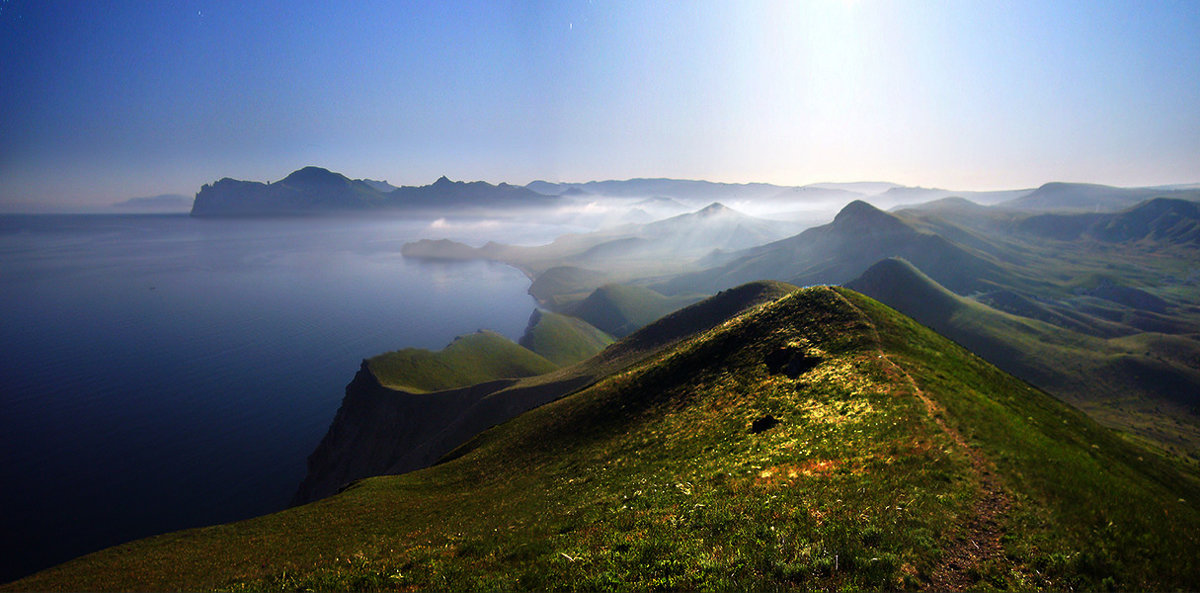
(1081, 196)
(620, 309)
(715, 226)
(560, 285)
(379, 430)
(822, 441)
(666, 246)
(1169, 221)
(562, 339)
(474, 358)
(1128, 383)
(859, 236)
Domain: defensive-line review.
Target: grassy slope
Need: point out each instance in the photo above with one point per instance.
(652, 479)
(559, 285)
(467, 360)
(376, 432)
(620, 309)
(562, 339)
(859, 236)
(1120, 381)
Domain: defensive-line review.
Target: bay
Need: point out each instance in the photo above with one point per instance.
(163, 372)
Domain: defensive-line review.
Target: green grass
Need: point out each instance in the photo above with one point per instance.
(562, 339)
(651, 479)
(469, 359)
(1093, 507)
(1140, 383)
(562, 284)
(621, 309)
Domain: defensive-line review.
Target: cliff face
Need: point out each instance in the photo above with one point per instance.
(375, 427)
(381, 431)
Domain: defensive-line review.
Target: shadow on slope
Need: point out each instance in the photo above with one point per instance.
(1156, 393)
(470, 359)
(562, 339)
(654, 477)
(859, 236)
(385, 431)
(621, 309)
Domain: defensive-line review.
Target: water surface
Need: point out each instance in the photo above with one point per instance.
(161, 372)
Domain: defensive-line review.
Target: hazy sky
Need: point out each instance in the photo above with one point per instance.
(101, 101)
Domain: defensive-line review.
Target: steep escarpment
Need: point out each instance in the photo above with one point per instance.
(380, 430)
(375, 427)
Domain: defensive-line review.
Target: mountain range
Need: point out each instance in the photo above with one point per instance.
(314, 190)
(626, 250)
(1000, 395)
(1099, 309)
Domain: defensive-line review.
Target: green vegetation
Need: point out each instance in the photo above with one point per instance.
(1141, 384)
(381, 431)
(897, 460)
(561, 339)
(563, 284)
(621, 309)
(470, 359)
(859, 236)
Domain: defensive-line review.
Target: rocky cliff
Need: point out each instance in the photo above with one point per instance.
(380, 431)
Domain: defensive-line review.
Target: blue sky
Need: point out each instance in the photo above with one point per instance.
(103, 101)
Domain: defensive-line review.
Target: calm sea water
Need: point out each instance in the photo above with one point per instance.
(160, 372)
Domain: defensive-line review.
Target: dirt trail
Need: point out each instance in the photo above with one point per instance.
(977, 541)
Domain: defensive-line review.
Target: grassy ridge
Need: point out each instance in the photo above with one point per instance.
(1143, 383)
(561, 339)
(1092, 506)
(621, 309)
(654, 478)
(470, 359)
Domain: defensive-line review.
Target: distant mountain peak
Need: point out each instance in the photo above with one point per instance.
(714, 209)
(1058, 185)
(312, 170)
(859, 210)
(443, 181)
(861, 217)
(312, 174)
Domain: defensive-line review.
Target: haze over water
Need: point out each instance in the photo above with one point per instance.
(163, 372)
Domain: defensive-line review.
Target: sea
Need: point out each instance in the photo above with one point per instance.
(159, 372)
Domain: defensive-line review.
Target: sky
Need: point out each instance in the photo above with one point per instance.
(103, 101)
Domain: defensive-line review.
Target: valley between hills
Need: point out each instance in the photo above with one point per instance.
(966, 390)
